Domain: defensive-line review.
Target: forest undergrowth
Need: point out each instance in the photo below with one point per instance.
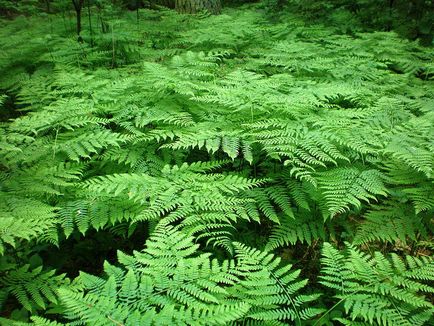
(237, 169)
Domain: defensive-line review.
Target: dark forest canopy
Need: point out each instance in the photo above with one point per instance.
(211, 162)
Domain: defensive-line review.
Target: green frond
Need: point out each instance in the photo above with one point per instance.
(25, 219)
(378, 288)
(33, 288)
(389, 223)
(303, 228)
(346, 187)
(171, 275)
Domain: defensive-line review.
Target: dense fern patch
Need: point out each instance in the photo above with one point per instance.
(257, 170)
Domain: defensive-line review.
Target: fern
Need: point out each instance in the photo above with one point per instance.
(377, 289)
(33, 288)
(25, 219)
(390, 223)
(172, 281)
(207, 137)
(343, 187)
(303, 229)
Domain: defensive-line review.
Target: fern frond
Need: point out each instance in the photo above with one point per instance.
(33, 288)
(25, 219)
(377, 288)
(391, 223)
(189, 287)
(346, 187)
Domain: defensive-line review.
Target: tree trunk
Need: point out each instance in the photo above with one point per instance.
(194, 6)
(78, 5)
(47, 3)
(78, 12)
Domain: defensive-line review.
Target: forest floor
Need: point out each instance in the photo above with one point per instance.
(298, 139)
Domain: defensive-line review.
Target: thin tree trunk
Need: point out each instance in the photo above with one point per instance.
(90, 22)
(47, 3)
(194, 6)
(390, 22)
(78, 12)
(78, 5)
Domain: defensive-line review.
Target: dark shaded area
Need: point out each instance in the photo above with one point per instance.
(87, 253)
(9, 110)
(412, 19)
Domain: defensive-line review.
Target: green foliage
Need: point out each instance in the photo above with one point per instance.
(343, 187)
(412, 18)
(303, 228)
(170, 281)
(378, 289)
(33, 288)
(24, 219)
(231, 147)
(393, 222)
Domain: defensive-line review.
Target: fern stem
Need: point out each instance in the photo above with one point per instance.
(332, 308)
(55, 143)
(298, 322)
(115, 321)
